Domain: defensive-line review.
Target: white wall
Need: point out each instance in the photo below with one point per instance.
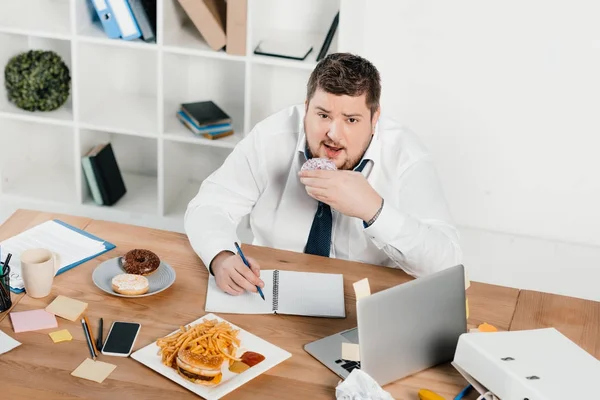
(506, 95)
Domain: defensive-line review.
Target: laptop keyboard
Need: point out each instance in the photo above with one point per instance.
(348, 365)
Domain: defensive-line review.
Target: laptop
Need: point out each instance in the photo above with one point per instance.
(402, 330)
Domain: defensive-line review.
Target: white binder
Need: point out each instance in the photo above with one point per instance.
(538, 364)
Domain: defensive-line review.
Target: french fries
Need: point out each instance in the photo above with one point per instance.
(209, 338)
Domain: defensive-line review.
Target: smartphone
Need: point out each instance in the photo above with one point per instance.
(121, 338)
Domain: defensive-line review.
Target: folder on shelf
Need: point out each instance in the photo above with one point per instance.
(236, 27)
(209, 17)
(144, 12)
(73, 246)
(107, 19)
(125, 19)
(329, 37)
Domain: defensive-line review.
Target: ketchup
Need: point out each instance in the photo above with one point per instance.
(251, 358)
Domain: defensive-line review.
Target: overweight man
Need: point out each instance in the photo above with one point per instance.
(381, 204)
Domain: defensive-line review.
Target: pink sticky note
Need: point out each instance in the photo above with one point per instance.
(34, 320)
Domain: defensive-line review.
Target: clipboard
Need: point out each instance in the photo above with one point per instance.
(14, 275)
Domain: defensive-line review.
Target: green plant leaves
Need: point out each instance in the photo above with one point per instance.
(37, 80)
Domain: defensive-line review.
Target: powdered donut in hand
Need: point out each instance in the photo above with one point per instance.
(318, 163)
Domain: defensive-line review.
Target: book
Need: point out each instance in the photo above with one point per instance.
(205, 113)
(103, 174)
(296, 50)
(208, 131)
(72, 245)
(286, 292)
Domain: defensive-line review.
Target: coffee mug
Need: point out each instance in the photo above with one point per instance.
(38, 267)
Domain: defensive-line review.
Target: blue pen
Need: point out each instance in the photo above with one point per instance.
(248, 265)
(463, 392)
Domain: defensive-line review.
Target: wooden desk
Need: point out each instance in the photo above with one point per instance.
(577, 319)
(41, 369)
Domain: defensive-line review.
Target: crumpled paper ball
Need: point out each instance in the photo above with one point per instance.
(360, 386)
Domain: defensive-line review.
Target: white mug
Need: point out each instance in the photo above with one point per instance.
(38, 267)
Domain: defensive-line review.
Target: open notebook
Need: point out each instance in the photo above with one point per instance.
(286, 292)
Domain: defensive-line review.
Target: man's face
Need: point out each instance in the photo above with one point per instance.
(338, 127)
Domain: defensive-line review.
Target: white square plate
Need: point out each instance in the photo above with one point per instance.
(273, 355)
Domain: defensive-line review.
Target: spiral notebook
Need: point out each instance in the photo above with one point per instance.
(286, 292)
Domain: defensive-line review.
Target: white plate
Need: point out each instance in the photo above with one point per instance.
(158, 281)
(273, 355)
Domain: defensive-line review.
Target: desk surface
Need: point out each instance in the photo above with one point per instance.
(300, 377)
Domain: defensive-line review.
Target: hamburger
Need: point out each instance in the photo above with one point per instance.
(197, 368)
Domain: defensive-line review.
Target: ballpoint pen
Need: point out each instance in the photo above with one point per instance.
(99, 338)
(237, 246)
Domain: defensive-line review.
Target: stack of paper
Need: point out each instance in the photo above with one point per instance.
(7, 343)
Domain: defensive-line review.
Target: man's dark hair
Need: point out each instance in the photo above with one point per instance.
(346, 74)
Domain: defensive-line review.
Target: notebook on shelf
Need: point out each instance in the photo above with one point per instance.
(73, 246)
(203, 113)
(286, 292)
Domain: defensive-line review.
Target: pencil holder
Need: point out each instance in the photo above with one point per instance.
(5, 301)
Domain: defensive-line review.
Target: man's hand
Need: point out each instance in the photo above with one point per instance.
(348, 192)
(233, 276)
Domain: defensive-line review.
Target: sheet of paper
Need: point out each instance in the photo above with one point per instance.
(7, 343)
(61, 336)
(71, 246)
(96, 371)
(67, 308)
(311, 293)
(246, 303)
(34, 320)
(362, 288)
(350, 351)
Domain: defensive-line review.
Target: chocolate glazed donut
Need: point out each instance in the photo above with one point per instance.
(139, 262)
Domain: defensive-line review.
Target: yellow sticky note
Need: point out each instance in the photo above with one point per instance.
(60, 336)
(66, 308)
(485, 327)
(350, 352)
(362, 288)
(467, 304)
(425, 394)
(96, 371)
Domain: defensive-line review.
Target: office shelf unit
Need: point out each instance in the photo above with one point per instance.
(127, 92)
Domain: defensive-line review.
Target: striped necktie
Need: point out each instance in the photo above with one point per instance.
(319, 239)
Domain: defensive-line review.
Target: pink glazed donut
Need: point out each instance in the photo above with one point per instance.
(318, 163)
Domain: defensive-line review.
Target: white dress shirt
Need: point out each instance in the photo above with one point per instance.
(260, 177)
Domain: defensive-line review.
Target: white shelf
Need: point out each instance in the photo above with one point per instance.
(228, 142)
(43, 18)
(95, 34)
(38, 181)
(122, 113)
(63, 116)
(127, 93)
(141, 196)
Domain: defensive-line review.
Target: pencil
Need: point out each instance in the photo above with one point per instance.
(89, 327)
(87, 338)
